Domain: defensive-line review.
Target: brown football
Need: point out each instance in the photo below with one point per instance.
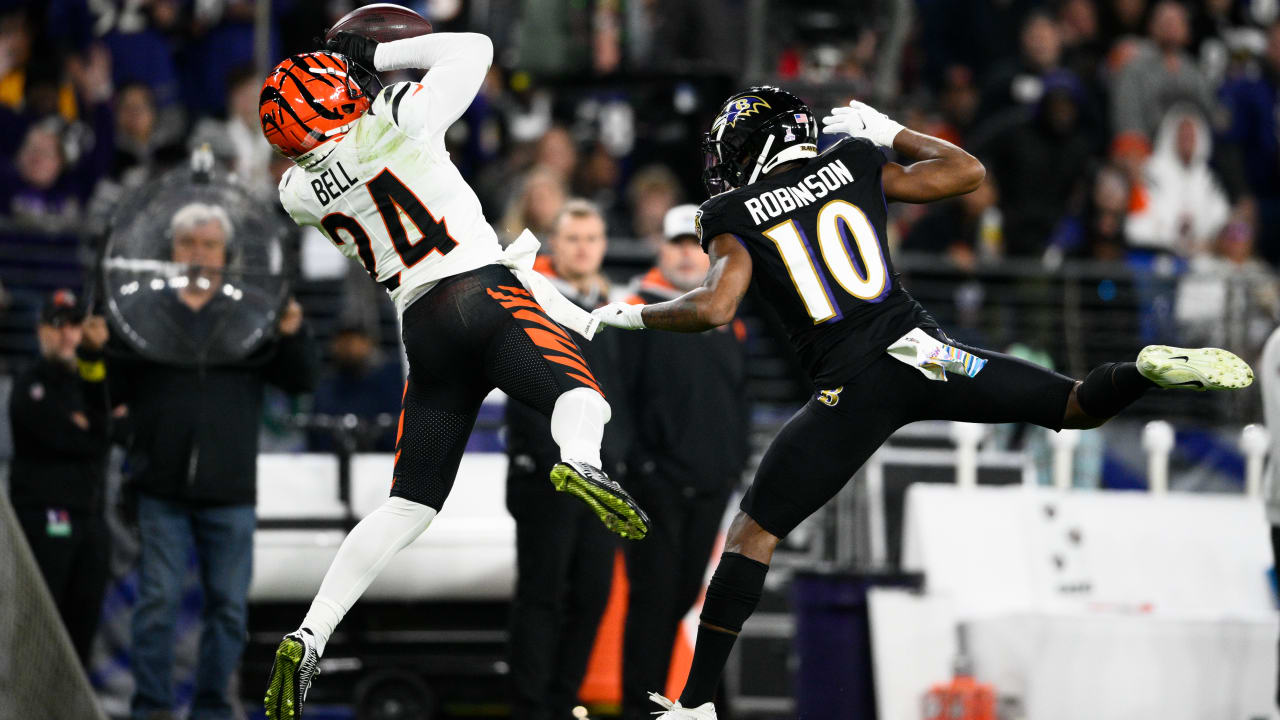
(383, 22)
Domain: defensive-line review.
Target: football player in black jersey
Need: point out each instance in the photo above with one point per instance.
(810, 230)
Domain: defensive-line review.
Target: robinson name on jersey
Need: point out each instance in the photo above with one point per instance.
(811, 188)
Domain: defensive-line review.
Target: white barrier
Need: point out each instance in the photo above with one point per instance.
(1254, 443)
(468, 553)
(1157, 440)
(967, 437)
(1064, 454)
(1105, 605)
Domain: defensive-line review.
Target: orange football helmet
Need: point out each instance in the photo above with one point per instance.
(310, 99)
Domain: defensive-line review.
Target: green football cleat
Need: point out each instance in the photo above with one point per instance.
(611, 503)
(1194, 368)
(297, 663)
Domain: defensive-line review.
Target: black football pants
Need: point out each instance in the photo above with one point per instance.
(75, 568)
(823, 445)
(564, 571)
(471, 333)
(664, 572)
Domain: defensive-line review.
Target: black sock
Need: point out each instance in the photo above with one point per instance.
(1110, 388)
(732, 595)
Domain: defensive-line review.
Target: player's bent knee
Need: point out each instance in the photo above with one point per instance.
(408, 512)
(584, 397)
(746, 537)
(1075, 418)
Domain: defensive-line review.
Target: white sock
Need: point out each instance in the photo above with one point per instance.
(367, 549)
(577, 424)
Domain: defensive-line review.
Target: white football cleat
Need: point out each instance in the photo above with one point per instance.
(705, 711)
(1194, 368)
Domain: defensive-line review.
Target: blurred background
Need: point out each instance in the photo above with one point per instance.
(1132, 196)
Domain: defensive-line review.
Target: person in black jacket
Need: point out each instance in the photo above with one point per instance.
(192, 462)
(686, 394)
(564, 557)
(58, 411)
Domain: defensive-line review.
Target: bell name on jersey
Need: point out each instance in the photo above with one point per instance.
(389, 198)
(815, 233)
(332, 183)
(813, 187)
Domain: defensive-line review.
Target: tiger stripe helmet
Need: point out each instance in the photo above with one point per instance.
(310, 99)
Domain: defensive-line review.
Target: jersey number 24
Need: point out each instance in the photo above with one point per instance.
(391, 196)
(800, 258)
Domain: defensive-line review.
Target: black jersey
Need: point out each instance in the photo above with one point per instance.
(816, 235)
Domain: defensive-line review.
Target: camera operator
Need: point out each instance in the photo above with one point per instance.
(192, 462)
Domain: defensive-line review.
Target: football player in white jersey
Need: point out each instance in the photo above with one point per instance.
(373, 174)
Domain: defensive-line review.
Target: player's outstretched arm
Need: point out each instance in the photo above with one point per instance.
(457, 63)
(712, 305)
(938, 169)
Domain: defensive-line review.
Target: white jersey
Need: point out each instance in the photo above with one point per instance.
(388, 196)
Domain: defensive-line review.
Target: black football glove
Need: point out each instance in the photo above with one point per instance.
(357, 48)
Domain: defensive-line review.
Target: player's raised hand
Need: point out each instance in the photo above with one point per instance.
(620, 315)
(355, 47)
(861, 120)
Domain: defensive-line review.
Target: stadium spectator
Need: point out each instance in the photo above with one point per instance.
(192, 463)
(136, 34)
(1160, 75)
(58, 412)
(143, 150)
(960, 102)
(1098, 232)
(238, 140)
(57, 165)
(1249, 96)
(598, 179)
(1228, 296)
(557, 152)
(1017, 82)
(676, 382)
(652, 192)
(362, 382)
(1186, 205)
(1119, 19)
(535, 205)
(1083, 48)
(963, 229)
(564, 557)
(221, 39)
(15, 50)
(1039, 156)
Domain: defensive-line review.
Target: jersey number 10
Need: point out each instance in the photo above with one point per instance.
(799, 258)
(391, 196)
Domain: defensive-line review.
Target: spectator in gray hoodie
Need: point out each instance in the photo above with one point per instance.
(1160, 75)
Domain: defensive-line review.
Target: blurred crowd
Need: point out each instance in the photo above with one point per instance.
(1137, 132)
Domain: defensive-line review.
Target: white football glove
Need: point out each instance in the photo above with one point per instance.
(862, 120)
(620, 315)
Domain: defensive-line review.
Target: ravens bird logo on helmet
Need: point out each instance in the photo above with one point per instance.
(740, 108)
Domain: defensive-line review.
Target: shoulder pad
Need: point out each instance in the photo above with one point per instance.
(387, 104)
